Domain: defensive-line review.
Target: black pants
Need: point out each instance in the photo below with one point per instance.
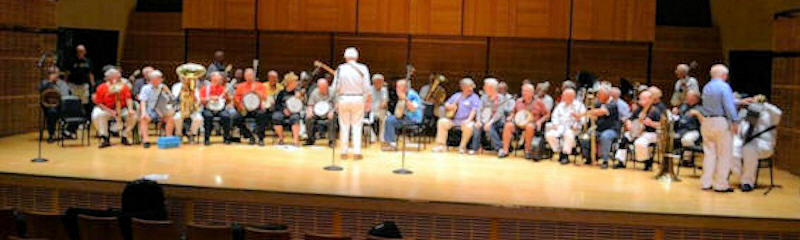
(51, 116)
(316, 124)
(225, 121)
(261, 123)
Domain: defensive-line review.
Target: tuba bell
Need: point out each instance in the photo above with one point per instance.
(189, 73)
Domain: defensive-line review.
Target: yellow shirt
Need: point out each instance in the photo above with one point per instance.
(273, 91)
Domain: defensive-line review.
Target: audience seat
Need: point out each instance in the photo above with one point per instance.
(8, 223)
(251, 233)
(203, 232)
(153, 230)
(98, 228)
(45, 225)
(318, 236)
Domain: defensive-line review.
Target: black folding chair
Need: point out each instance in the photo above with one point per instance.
(73, 113)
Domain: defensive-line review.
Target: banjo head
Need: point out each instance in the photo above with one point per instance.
(217, 105)
(294, 104)
(522, 118)
(322, 108)
(251, 101)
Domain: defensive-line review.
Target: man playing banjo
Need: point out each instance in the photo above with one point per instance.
(214, 99)
(526, 116)
(319, 107)
(248, 98)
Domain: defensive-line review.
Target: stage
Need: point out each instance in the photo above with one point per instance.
(438, 177)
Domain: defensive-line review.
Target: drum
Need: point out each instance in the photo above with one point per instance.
(294, 104)
(322, 108)
(522, 118)
(51, 98)
(251, 101)
(217, 105)
(486, 115)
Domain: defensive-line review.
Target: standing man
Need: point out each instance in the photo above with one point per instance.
(80, 76)
(466, 104)
(353, 90)
(684, 84)
(721, 121)
(217, 65)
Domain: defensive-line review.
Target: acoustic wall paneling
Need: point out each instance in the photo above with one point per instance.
(156, 39)
(383, 54)
(514, 60)
(28, 13)
(219, 14)
(453, 57)
(384, 16)
(239, 46)
(517, 18)
(436, 17)
(307, 15)
(286, 52)
(675, 45)
(610, 60)
(786, 90)
(614, 20)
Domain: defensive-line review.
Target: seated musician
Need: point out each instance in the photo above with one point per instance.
(272, 84)
(756, 138)
(536, 108)
(502, 90)
(564, 124)
(150, 102)
(608, 126)
(687, 128)
(321, 93)
(250, 85)
(492, 112)
(140, 82)
(649, 116)
(412, 113)
(380, 104)
(541, 94)
(209, 94)
(656, 99)
(195, 119)
(110, 97)
(622, 107)
(281, 116)
(466, 104)
(51, 114)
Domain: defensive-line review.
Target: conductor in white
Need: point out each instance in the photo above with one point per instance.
(352, 86)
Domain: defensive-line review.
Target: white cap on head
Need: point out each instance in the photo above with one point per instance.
(351, 53)
(155, 74)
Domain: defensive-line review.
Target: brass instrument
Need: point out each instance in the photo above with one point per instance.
(189, 73)
(437, 94)
(116, 89)
(589, 133)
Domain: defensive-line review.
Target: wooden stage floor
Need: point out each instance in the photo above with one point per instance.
(438, 177)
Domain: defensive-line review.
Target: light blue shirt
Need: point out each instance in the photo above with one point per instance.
(718, 100)
(416, 115)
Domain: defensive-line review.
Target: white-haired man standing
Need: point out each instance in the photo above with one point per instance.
(721, 121)
(352, 87)
(684, 84)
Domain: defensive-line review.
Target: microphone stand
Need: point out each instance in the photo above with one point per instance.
(402, 170)
(39, 158)
(333, 166)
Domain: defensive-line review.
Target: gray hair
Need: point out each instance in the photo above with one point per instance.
(215, 73)
(111, 72)
(615, 92)
(155, 74)
(467, 81)
(527, 86)
(718, 70)
(492, 82)
(377, 76)
(683, 68)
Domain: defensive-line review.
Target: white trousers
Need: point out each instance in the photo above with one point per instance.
(194, 129)
(565, 144)
(718, 153)
(100, 120)
(351, 115)
(690, 138)
(641, 143)
(444, 125)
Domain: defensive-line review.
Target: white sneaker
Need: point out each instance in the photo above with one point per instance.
(439, 148)
(471, 152)
(462, 151)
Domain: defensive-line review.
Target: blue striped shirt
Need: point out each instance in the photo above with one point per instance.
(718, 100)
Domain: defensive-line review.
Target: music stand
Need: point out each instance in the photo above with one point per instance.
(333, 166)
(403, 170)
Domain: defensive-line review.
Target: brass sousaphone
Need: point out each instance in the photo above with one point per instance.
(189, 72)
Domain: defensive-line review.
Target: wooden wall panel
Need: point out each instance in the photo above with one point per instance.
(675, 45)
(239, 46)
(436, 17)
(286, 52)
(517, 18)
(618, 20)
(28, 13)
(786, 90)
(453, 57)
(383, 16)
(538, 60)
(383, 54)
(156, 39)
(307, 15)
(219, 14)
(610, 60)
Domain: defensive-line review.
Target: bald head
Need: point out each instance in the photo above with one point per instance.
(603, 93)
(322, 85)
(719, 71)
(249, 75)
(692, 97)
(80, 50)
(645, 98)
(272, 76)
(527, 91)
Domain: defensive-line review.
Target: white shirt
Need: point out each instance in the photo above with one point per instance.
(352, 78)
(691, 84)
(378, 97)
(562, 115)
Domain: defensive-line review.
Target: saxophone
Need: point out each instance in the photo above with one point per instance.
(189, 73)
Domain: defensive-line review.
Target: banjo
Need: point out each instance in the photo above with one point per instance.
(215, 105)
(294, 104)
(322, 108)
(251, 102)
(522, 118)
(486, 113)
